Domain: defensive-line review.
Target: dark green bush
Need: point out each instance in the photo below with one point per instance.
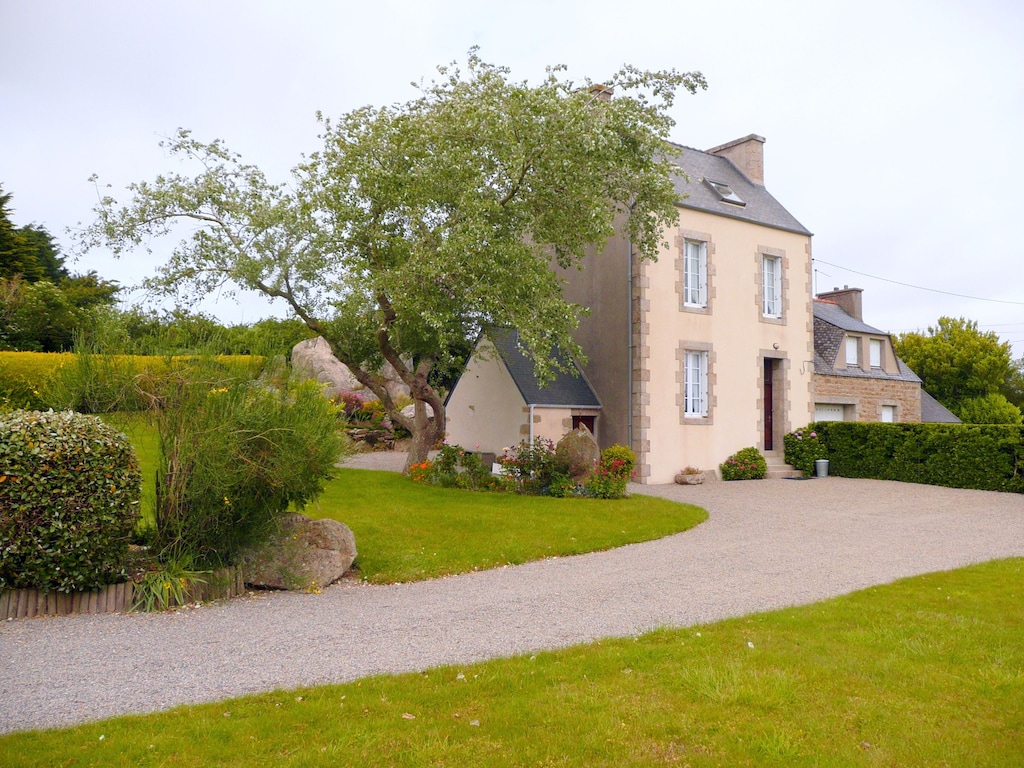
(69, 501)
(803, 447)
(745, 464)
(985, 457)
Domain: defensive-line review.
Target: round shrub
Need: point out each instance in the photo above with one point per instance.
(613, 472)
(69, 501)
(746, 464)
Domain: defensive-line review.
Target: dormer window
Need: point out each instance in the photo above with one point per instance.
(724, 192)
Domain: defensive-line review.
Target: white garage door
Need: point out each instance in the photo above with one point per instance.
(828, 412)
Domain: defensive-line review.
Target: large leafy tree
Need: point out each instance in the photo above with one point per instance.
(417, 224)
(963, 368)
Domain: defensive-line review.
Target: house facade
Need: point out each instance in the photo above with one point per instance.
(497, 402)
(857, 375)
(710, 349)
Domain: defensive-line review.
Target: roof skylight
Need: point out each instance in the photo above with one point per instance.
(724, 192)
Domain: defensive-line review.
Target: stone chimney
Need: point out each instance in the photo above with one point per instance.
(849, 300)
(601, 92)
(747, 154)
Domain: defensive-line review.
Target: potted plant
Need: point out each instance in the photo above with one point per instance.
(690, 476)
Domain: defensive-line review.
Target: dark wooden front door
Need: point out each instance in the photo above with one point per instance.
(769, 410)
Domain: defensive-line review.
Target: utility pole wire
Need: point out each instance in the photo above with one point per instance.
(919, 287)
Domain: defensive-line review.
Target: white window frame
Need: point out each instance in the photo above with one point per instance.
(852, 351)
(695, 274)
(771, 286)
(695, 388)
(889, 410)
(875, 353)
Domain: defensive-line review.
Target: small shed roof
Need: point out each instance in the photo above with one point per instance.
(564, 390)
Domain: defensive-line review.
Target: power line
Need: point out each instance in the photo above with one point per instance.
(919, 287)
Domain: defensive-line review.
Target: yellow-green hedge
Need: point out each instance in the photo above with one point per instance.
(32, 380)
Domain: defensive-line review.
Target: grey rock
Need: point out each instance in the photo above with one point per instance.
(304, 554)
(579, 450)
(313, 359)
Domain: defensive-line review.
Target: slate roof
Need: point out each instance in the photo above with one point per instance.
(831, 324)
(564, 390)
(932, 411)
(760, 208)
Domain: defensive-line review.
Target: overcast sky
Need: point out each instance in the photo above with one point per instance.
(895, 130)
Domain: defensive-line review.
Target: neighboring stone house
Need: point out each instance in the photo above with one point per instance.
(497, 402)
(857, 375)
(709, 349)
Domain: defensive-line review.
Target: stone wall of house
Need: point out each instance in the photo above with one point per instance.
(867, 396)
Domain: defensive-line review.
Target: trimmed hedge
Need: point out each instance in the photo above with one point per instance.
(984, 457)
(69, 501)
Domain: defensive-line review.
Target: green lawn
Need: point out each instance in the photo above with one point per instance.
(408, 532)
(928, 671)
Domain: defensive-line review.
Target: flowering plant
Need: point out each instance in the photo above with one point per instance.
(613, 472)
(745, 464)
(802, 448)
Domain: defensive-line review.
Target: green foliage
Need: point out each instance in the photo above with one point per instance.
(169, 585)
(29, 252)
(533, 467)
(803, 447)
(1013, 387)
(235, 453)
(419, 223)
(455, 467)
(179, 332)
(69, 501)
(745, 464)
(956, 361)
(992, 408)
(614, 471)
(985, 457)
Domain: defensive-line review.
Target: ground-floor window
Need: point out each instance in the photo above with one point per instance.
(696, 385)
(829, 412)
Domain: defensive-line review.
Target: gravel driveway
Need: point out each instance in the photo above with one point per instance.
(767, 544)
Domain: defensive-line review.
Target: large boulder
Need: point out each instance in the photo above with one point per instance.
(313, 359)
(304, 554)
(580, 452)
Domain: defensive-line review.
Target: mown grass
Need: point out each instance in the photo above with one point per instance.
(928, 671)
(409, 532)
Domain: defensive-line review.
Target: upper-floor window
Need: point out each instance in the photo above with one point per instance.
(695, 392)
(875, 352)
(695, 274)
(771, 286)
(852, 351)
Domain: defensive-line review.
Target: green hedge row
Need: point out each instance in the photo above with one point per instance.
(985, 457)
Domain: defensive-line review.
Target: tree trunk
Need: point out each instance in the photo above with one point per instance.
(425, 433)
